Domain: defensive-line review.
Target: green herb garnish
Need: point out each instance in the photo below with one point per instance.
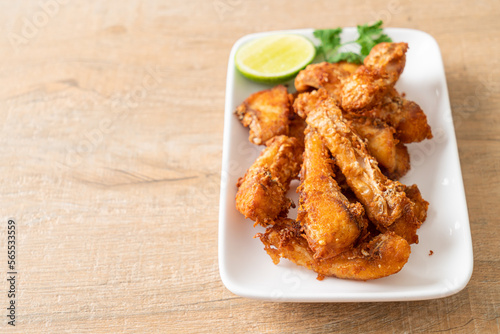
(330, 46)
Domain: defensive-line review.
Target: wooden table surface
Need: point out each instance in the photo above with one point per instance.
(111, 142)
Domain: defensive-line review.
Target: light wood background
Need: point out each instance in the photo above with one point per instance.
(111, 141)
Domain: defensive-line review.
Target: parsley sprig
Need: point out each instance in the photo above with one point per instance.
(331, 44)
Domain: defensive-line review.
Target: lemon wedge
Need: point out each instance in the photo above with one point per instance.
(275, 58)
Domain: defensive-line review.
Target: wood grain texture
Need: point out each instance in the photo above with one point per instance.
(111, 152)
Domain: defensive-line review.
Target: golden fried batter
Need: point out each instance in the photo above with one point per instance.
(405, 116)
(306, 102)
(297, 128)
(382, 68)
(385, 202)
(349, 67)
(262, 191)
(421, 204)
(267, 113)
(379, 137)
(380, 141)
(330, 222)
(323, 75)
(389, 59)
(402, 164)
(380, 256)
(362, 89)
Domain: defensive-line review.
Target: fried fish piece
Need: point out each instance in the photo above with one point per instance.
(267, 114)
(388, 58)
(384, 200)
(363, 89)
(405, 116)
(349, 67)
(380, 140)
(381, 69)
(331, 223)
(402, 164)
(297, 128)
(323, 75)
(380, 256)
(379, 136)
(305, 102)
(262, 191)
(421, 205)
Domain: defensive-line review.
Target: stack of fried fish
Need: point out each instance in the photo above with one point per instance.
(344, 133)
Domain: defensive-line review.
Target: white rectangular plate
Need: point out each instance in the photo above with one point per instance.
(248, 271)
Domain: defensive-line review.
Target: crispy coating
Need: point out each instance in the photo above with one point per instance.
(379, 137)
(402, 163)
(349, 67)
(380, 256)
(267, 114)
(331, 223)
(382, 68)
(384, 200)
(297, 128)
(306, 102)
(362, 89)
(323, 75)
(407, 224)
(404, 226)
(405, 116)
(262, 191)
(389, 59)
(421, 205)
(381, 143)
